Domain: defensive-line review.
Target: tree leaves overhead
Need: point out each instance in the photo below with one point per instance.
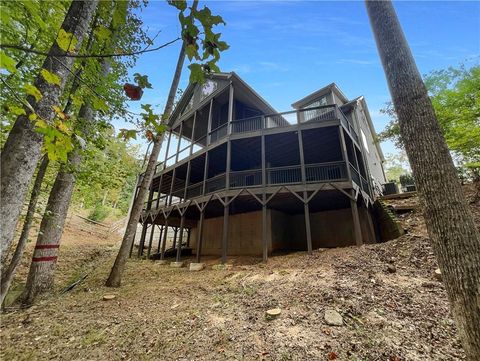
(142, 81)
(455, 95)
(202, 45)
(33, 90)
(50, 77)
(7, 63)
(66, 41)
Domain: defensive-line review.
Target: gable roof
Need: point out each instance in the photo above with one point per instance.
(325, 90)
(231, 77)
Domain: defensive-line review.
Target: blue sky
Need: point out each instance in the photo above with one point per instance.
(288, 49)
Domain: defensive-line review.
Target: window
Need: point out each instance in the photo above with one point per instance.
(317, 113)
(317, 103)
(364, 140)
(208, 88)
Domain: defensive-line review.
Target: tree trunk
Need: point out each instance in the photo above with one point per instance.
(115, 277)
(41, 274)
(9, 273)
(22, 149)
(450, 224)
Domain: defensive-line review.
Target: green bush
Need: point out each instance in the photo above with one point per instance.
(99, 213)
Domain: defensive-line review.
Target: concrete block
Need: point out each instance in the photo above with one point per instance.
(196, 266)
(177, 264)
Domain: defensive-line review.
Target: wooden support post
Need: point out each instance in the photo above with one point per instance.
(230, 109)
(179, 142)
(159, 192)
(356, 222)
(133, 242)
(175, 231)
(160, 238)
(169, 197)
(226, 211)
(193, 131)
(188, 236)
(370, 226)
(264, 230)
(200, 236)
(307, 227)
(150, 241)
(142, 240)
(226, 208)
(264, 200)
(167, 150)
(180, 238)
(306, 209)
(209, 123)
(164, 242)
(344, 152)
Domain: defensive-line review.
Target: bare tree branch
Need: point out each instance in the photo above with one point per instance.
(67, 55)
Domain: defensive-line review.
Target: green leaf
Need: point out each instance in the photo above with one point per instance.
(179, 4)
(99, 104)
(127, 134)
(119, 14)
(7, 63)
(16, 110)
(191, 51)
(102, 33)
(33, 90)
(77, 100)
(66, 41)
(142, 81)
(196, 73)
(50, 78)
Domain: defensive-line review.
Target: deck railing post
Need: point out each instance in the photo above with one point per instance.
(344, 152)
(179, 142)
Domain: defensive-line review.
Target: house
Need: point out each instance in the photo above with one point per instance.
(240, 178)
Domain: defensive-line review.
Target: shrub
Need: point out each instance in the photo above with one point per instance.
(99, 213)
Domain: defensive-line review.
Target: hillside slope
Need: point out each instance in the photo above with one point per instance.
(392, 305)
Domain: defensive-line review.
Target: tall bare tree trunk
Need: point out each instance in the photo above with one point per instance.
(41, 275)
(42, 269)
(22, 149)
(450, 224)
(115, 277)
(9, 273)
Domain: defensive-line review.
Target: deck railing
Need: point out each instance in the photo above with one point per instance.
(355, 175)
(325, 172)
(283, 175)
(252, 124)
(219, 133)
(314, 173)
(247, 178)
(216, 183)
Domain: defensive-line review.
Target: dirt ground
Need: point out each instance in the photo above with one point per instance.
(392, 305)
